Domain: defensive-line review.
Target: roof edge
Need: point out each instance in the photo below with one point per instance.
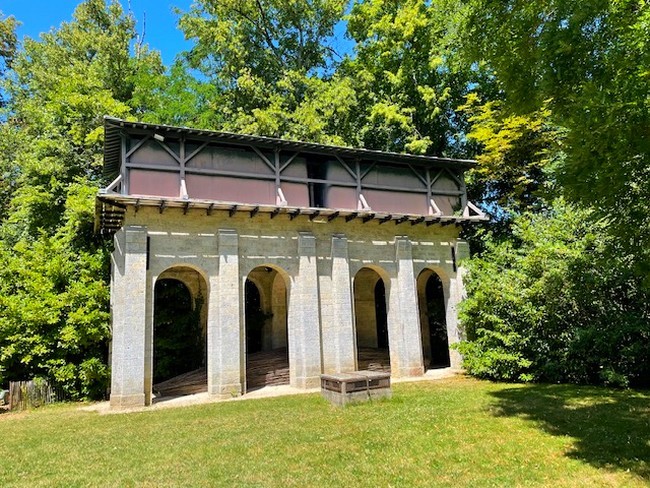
(113, 122)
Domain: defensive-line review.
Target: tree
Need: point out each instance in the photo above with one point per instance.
(588, 63)
(54, 273)
(517, 158)
(175, 97)
(552, 304)
(409, 81)
(8, 44)
(271, 62)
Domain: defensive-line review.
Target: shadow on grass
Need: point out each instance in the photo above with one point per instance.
(610, 428)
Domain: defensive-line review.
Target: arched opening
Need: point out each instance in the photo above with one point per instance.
(265, 313)
(371, 321)
(433, 323)
(255, 318)
(179, 333)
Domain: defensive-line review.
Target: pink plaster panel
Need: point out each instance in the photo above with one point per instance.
(397, 202)
(341, 198)
(154, 183)
(393, 175)
(336, 172)
(229, 159)
(229, 189)
(297, 194)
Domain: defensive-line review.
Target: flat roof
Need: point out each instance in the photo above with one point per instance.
(114, 126)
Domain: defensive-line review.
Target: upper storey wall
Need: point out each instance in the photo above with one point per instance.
(183, 166)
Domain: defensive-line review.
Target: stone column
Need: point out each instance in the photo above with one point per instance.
(339, 352)
(129, 303)
(403, 316)
(224, 321)
(454, 294)
(304, 319)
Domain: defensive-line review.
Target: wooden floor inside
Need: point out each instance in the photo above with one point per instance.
(371, 359)
(266, 368)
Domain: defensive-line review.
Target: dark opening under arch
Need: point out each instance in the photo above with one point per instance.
(265, 314)
(433, 322)
(178, 339)
(380, 315)
(371, 321)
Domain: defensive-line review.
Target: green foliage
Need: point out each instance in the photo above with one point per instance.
(518, 155)
(175, 97)
(554, 304)
(178, 337)
(265, 38)
(269, 62)
(54, 292)
(408, 81)
(590, 61)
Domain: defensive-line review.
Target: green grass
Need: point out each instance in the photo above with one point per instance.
(457, 432)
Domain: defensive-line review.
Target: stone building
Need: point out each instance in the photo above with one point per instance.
(326, 259)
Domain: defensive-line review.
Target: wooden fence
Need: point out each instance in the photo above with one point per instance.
(33, 393)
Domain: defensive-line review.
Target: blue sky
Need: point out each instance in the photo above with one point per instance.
(161, 33)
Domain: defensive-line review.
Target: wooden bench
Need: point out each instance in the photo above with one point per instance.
(355, 387)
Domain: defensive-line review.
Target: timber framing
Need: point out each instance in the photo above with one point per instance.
(111, 210)
(359, 174)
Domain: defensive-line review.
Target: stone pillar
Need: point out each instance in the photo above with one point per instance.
(224, 321)
(454, 294)
(339, 352)
(129, 303)
(304, 319)
(403, 315)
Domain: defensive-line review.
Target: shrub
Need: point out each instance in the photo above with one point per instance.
(556, 303)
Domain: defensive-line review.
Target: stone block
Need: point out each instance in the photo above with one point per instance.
(356, 387)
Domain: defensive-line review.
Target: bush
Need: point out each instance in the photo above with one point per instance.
(556, 303)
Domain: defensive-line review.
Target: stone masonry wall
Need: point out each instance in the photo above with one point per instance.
(318, 261)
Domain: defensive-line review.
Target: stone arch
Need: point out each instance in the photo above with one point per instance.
(371, 286)
(178, 330)
(195, 279)
(266, 327)
(432, 303)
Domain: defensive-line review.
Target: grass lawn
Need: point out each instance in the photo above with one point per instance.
(456, 432)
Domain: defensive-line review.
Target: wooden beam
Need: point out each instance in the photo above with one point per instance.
(401, 220)
(288, 162)
(352, 216)
(264, 159)
(419, 220)
(196, 151)
(137, 146)
(385, 219)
